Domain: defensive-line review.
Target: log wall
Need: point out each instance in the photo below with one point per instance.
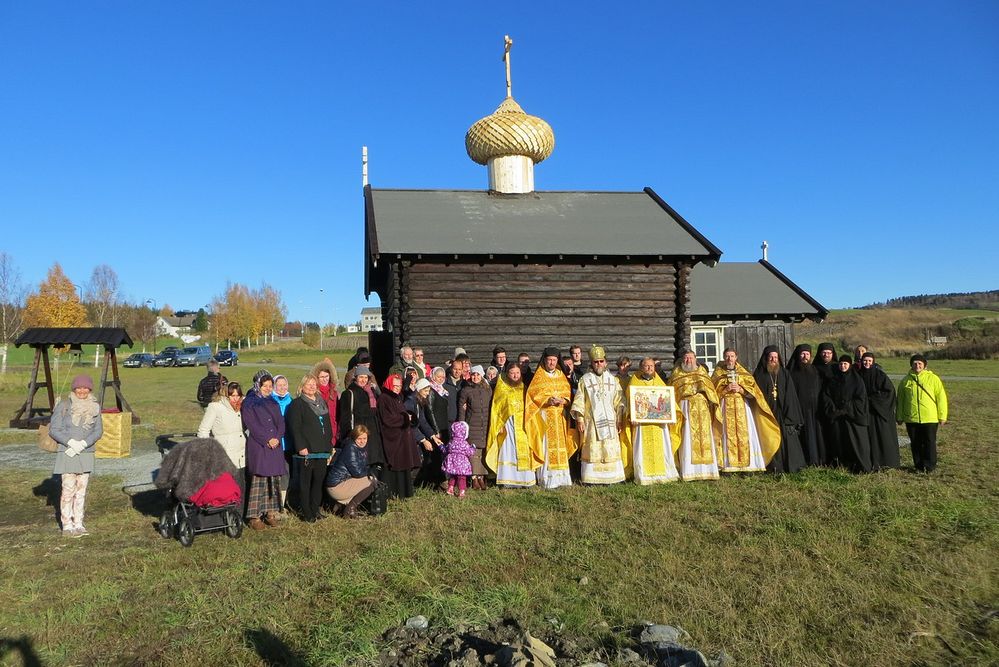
(629, 310)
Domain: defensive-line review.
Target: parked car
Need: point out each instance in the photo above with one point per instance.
(227, 358)
(170, 348)
(194, 356)
(166, 358)
(138, 360)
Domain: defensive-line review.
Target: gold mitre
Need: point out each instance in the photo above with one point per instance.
(597, 353)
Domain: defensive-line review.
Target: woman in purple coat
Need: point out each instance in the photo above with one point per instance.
(265, 462)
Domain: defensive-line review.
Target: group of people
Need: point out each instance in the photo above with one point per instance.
(459, 426)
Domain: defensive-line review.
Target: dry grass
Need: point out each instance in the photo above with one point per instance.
(818, 568)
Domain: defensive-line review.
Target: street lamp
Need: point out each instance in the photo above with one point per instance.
(155, 314)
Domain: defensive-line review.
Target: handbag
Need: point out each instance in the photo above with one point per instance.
(377, 502)
(45, 441)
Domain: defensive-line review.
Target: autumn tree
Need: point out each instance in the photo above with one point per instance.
(140, 322)
(56, 303)
(12, 294)
(240, 314)
(166, 310)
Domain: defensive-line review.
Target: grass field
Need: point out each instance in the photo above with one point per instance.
(817, 568)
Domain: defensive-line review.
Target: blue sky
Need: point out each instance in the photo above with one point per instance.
(187, 144)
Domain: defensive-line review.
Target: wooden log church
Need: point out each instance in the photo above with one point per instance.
(526, 269)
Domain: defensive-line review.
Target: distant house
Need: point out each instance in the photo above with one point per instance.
(175, 326)
(746, 306)
(371, 319)
(352, 328)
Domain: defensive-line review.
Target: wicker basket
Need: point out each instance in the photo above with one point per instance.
(116, 443)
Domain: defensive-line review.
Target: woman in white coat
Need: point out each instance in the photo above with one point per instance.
(223, 422)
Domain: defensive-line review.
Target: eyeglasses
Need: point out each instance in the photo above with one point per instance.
(420, 354)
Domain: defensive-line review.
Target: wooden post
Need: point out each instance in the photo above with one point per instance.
(48, 379)
(120, 399)
(104, 382)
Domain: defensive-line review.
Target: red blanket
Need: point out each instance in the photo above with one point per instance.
(217, 492)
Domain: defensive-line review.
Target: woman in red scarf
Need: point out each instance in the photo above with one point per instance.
(326, 372)
(401, 453)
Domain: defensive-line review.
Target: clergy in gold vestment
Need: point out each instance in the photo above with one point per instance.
(508, 452)
(599, 410)
(546, 424)
(697, 420)
(749, 433)
(651, 447)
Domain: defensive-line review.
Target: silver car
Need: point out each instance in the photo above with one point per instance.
(194, 356)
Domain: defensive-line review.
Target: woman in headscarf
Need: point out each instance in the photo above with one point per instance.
(775, 382)
(308, 428)
(473, 408)
(328, 379)
(844, 400)
(282, 396)
(425, 432)
(358, 406)
(76, 426)
(439, 400)
(401, 454)
(224, 422)
(264, 459)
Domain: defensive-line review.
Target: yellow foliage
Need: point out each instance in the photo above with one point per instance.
(56, 303)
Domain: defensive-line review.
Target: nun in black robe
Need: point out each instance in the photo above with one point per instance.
(782, 397)
(808, 384)
(825, 372)
(844, 400)
(881, 399)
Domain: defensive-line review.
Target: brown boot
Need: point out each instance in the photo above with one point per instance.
(256, 524)
(271, 519)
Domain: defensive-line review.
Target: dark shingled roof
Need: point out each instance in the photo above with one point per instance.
(748, 290)
(113, 336)
(476, 222)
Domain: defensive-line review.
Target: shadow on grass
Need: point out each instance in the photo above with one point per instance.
(151, 502)
(21, 646)
(272, 649)
(50, 488)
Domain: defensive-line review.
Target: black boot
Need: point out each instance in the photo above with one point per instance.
(350, 512)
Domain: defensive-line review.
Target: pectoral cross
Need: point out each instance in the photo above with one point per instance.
(773, 384)
(507, 45)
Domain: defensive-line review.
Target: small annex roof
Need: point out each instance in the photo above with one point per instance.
(555, 224)
(60, 336)
(748, 290)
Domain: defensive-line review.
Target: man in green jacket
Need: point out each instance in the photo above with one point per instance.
(922, 406)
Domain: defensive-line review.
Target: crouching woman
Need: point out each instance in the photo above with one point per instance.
(76, 426)
(347, 481)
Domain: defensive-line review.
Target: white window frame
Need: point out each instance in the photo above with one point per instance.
(719, 345)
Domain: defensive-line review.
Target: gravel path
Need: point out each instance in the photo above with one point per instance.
(136, 470)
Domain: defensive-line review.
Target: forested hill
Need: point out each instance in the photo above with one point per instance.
(977, 300)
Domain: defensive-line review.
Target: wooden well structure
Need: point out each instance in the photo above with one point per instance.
(30, 415)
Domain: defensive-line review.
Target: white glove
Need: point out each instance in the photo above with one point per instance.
(70, 452)
(78, 445)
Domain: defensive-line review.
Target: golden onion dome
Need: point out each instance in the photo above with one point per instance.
(509, 131)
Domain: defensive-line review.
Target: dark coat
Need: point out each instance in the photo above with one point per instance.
(808, 384)
(439, 407)
(453, 389)
(263, 421)
(397, 438)
(187, 467)
(351, 461)
(789, 458)
(209, 387)
(881, 431)
(306, 429)
(844, 401)
(474, 402)
(354, 409)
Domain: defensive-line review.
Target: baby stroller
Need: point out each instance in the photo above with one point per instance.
(200, 482)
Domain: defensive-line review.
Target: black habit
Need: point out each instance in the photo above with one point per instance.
(844, 401)
(808, 384)
(881, 429)
(782, 397)
(354, 409)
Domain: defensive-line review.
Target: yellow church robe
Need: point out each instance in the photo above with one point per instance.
(543, 421)
(655, 466)
(506, 413)
(696, 388)
(733, 411)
